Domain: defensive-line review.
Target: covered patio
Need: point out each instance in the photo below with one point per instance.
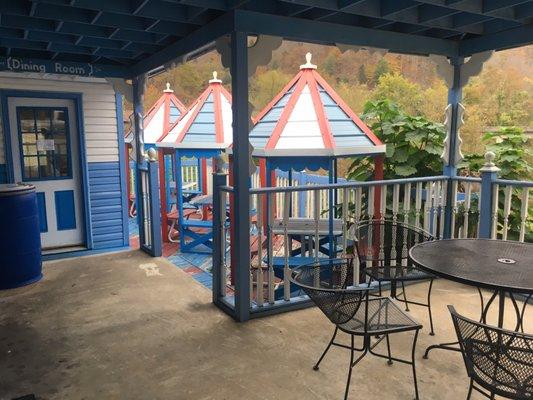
(131, 326)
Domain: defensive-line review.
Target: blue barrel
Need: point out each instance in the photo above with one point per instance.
(20, 240)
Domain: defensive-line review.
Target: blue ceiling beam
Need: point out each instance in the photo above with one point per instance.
(521, 36)
(200, 37)
(493, 5)
(328, 33)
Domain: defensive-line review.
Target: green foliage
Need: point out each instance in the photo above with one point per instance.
(513, 157)
(414, 144)
(382, 68)
(509, 144)
(394, 87)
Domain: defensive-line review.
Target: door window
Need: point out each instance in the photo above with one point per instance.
(44, 143)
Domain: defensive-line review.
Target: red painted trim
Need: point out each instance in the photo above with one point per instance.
(163, 195)
(177, 103)
(277, 97)
(323, 123)
(378, 176)
(285, 114)
(340, 102)
(128, 172)
(201, 102)
(147, 118)
(217, 109)
(165, 134)
(204, 176)
(166, 114)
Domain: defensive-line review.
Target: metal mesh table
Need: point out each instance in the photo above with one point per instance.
(503, 267)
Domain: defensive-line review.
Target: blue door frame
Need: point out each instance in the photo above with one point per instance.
(77, 99)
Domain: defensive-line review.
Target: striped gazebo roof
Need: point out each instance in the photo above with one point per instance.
(308, 118)
(161, 116)
(206, 125)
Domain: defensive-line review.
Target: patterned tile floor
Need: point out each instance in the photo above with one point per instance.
(197, 265)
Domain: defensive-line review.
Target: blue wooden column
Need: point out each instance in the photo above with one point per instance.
(138, 112)
(241, 168)
(455, 95)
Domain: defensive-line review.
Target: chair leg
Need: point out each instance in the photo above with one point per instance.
(388, 350)
(315, 367)
(413, 364)
(405, 297)
(432, 332)
(469, 395)
(352, 351)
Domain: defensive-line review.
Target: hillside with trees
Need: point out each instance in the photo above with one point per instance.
(500, 96)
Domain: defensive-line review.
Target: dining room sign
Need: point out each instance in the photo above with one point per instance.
(21, 64)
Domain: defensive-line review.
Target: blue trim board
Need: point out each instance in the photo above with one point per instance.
(77, 98)
(65, 210)
(41, 209)
(123, 167)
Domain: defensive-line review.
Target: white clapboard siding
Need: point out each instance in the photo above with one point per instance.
(99, 109)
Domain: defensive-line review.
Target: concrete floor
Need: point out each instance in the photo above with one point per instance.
(126, 326)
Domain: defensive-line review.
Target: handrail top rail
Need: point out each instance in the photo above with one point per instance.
(510, 182)
(466, 179)
(348, 185)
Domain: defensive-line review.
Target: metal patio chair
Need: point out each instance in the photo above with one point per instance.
(497, 360)
(353, 311)
(382, 247)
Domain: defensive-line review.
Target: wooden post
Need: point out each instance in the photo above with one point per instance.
(378, 176)
(455, 94)
(241, 168)
(489, 172)
(163, 195)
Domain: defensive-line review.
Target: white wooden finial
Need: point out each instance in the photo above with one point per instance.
(308, 64)
(168, 89)
(215, 79)
(489, 165)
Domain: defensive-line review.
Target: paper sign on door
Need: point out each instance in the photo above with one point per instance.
(45, 144)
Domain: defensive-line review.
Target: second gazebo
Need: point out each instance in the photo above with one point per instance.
(308, 126)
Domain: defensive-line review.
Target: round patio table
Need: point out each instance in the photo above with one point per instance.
(503, 267)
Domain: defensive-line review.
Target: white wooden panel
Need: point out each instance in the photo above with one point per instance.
(98, 96)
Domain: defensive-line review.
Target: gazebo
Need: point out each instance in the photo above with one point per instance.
(203, 132)
(159, 118)
(308, 126)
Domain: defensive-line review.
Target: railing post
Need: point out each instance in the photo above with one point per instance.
(219, 180)
(489, 172)
(154, 206)
(452, 152)
(240, 219)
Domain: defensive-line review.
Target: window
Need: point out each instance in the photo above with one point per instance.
(44, 143)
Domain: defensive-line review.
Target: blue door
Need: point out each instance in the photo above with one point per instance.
(45, 153)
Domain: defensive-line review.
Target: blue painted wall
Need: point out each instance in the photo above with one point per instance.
(105, 197)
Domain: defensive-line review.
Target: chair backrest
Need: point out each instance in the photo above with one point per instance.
(387, 241)
(499, 360)
(326, 282)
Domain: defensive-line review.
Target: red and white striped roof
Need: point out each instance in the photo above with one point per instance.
(206, 124)
(165, 112)
(308, 118)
